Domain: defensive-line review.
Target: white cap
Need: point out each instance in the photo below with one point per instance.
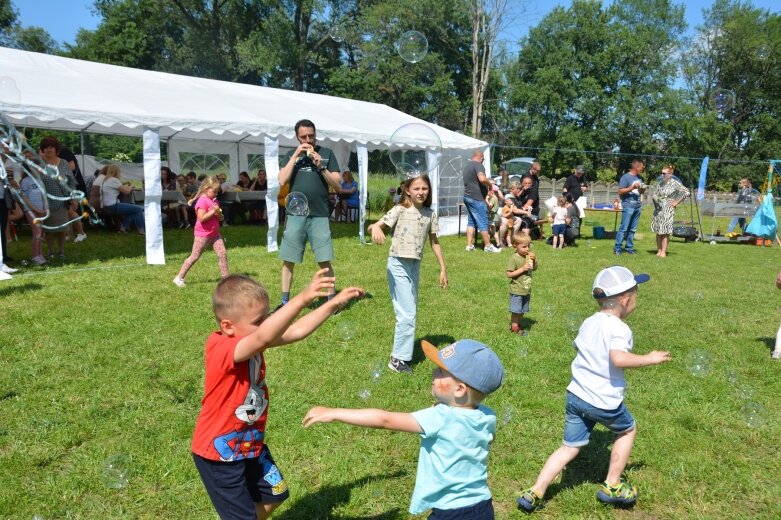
(616, 280)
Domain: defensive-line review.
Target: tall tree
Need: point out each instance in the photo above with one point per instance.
(13, 35)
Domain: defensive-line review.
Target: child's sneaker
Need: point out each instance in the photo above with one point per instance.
(178, 282)
(398, 365)
(516, 329)
(470, 247)
(81, 237)
(776, 354)
(624, 494)
(530, 501)
(490, 248)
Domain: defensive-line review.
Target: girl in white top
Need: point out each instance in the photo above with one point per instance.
(558, 218)
(412, 220)
(34, 211)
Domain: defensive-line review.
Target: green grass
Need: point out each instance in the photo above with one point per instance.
(103, 356)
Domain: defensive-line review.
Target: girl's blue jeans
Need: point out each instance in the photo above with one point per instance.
(403, 276)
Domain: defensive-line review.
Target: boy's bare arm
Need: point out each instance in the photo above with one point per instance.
(369, 417)
(309, 323)
(622, 359)
(269, 333)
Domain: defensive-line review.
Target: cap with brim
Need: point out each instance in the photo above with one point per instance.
(615, 280)
(579, 168)
(472, 362)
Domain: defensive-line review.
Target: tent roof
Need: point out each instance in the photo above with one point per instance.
(66, 94)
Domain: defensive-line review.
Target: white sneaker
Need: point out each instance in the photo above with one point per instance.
(490, 248)
(5, 276)
(776, 354)
(470, 248)
(9, 270)
(178, 282)
(81, 237)
(39, 260)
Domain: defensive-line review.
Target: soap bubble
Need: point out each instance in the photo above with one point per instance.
(763, 51)
(364, 393)
(722, 100)
(573, 322)
(732, 377)
(346, 330)
(746, 392)
(338, 33)
(699, 295)
(409, 144)
(522, 351)
(116, 471)
(505, 415)
(377, 371)
(698, 362)
(296, 204)
(412, 46)
(9, 92)
(549, 310)
(753, 414)
(713, 242)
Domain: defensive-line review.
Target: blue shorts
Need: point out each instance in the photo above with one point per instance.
(519, 304)
(235, 487)
(481, 511)
(581, 417)
(559, 229)
(476, 214)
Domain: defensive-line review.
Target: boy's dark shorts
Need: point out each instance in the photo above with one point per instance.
(234, 487)
(481, 511)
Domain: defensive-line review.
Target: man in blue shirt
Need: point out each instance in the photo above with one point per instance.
(630, 189)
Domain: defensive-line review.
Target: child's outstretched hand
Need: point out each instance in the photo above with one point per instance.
(345, 295)
(657, 357)
(320, 285)
(378, 235)
(318, 414)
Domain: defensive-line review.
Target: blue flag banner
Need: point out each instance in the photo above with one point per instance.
(703, 177)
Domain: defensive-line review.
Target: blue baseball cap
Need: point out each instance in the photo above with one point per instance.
(470, 361)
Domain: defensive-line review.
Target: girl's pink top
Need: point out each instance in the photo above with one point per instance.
(210, 228)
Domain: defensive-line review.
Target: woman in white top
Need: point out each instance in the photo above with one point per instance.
(109, 200)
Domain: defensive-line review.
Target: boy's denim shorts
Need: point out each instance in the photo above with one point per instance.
(581, 417)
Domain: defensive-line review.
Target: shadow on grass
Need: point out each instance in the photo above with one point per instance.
(320, 504)
(438, 340)
(770, 343)
(590, 465)
(19, 289)
(527, 323)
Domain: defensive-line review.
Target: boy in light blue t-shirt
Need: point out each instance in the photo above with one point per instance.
(455, 433)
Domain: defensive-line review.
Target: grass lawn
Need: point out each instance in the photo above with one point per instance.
(102, 356)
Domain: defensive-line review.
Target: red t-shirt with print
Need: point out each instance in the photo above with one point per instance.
(234, 408)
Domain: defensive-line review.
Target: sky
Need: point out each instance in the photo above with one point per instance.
(63, 18)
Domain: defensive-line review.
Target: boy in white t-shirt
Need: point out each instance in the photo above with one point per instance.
(454, 434)
(596, 392)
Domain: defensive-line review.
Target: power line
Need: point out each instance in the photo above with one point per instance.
(622, 154)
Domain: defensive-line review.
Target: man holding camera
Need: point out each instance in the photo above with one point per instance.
(630, 190)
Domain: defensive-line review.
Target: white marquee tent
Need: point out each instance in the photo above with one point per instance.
(195, 114)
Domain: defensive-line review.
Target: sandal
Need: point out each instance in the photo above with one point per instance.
(624, 494)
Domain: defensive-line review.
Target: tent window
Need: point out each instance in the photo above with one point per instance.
(208, 163)
(256, 162)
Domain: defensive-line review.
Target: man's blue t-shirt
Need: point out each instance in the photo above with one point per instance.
(453, 457)
(627, 180)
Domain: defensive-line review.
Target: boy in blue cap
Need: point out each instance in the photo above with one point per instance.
(596, 392)
(455, 433)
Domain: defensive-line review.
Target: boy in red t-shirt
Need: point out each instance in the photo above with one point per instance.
(229, 446)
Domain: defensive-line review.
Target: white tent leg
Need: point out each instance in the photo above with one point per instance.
(153, 193)
(271, 158)
(363, 180)
(432, 161)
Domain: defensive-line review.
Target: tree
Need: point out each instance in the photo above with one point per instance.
(13, 35)
(595, 78)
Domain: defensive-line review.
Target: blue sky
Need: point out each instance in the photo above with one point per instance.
(63, 18)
